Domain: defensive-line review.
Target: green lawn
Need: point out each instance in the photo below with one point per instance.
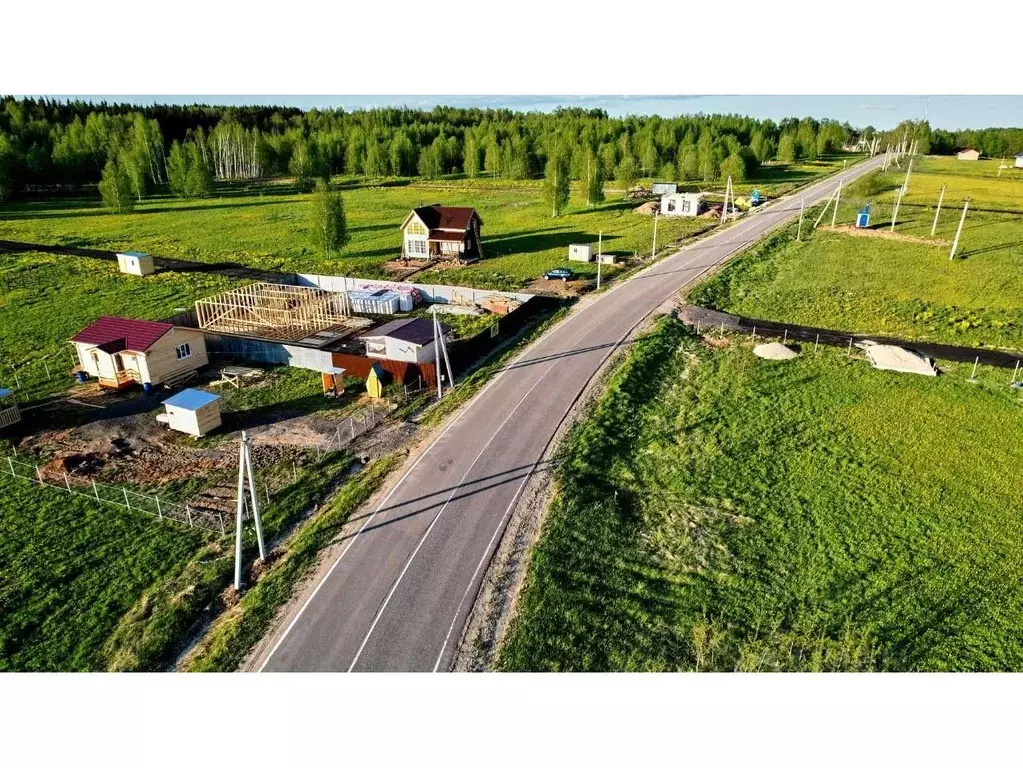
(905, 289)
(720, 512)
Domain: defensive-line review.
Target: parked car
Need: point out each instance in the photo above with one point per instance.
(561, 273)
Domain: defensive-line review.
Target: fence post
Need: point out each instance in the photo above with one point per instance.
(10, 461)
(338, 437)
(1014, 372)
(849, 353)
(786, 339)
(816, 342)
(67, 482)
(754, 337)
(351, 423)
(159, 509)
(188, 514)
(95, 490)
(220, 517)
(976, 361)
(39, 475)
(266, 491)
(294, 469)
(125, 491)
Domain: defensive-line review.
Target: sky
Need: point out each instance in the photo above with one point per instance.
(948, 112)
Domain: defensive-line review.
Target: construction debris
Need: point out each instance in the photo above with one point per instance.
(888, 357)
(774, 351)
(647, 209)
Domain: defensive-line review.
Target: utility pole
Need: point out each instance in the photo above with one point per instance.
(959, 231)
(245, 468)
(440, 349)
(728, 191)
(895, 213)
(600, 250)
(653, 250)
(937, 211)
(905, 182)
(799, 228)
(436, 355)
(838, 195)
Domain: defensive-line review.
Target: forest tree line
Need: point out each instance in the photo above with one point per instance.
(134, 151)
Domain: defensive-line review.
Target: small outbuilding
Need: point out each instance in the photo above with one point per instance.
(409, 340)
(681, 204)
(192, 411)
(333, 381)
(580, 253)
(607, 258)
(968, 154)
(135, 263)
(9, 413)
(664, 188)
(375, 381)
(121, 351)
(1019, 160)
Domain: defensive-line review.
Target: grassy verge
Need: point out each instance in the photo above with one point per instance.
(233, 636)
(719, 512)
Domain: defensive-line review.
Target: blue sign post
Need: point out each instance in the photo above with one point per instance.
(863, 217)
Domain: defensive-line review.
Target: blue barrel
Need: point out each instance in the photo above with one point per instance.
(81, 377)
(147, 387)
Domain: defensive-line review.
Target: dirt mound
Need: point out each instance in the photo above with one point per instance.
(647, 209)
(884, 234)
(774, 351)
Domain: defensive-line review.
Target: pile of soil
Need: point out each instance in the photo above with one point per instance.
(647, 209)
(774, 351)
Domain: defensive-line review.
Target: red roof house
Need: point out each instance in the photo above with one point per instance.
(121, 351)
(442, 231)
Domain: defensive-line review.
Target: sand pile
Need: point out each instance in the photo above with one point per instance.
(888, 357)
(774, 351)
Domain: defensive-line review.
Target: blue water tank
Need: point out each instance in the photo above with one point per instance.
(81, 377)
(147, 387)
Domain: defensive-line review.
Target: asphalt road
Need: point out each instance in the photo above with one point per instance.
(398, 595)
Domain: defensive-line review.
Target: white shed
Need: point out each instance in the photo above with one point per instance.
(681, 204)
(580, 253)
(135, 263)
(192, 411)
(968, 154)
(9, 413)
(409, 340)
(1019, 160)
(664, 187)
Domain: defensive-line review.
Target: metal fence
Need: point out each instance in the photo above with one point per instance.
(39, 376)
(117, 496)
(358, 423)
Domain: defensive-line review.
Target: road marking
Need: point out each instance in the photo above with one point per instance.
(408, 563)
(812, 190)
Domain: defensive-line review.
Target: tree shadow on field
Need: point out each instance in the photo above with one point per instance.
(537, 242)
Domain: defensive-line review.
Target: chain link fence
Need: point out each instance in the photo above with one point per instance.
(117, 496)
(358, 423)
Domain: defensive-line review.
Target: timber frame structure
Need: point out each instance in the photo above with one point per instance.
(273, 311)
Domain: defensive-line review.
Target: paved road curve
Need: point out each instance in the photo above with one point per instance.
(399, 593)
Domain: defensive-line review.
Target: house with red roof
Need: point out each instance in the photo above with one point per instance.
(120, 352)
(442, 232)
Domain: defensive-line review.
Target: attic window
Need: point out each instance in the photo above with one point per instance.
(182, 351)
(415, 228)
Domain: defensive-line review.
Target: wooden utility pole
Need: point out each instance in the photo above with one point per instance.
(895, 213)
(959, 231)
(937, 211)
(905, 182)
(653, 250)
(799, 228)
(245, 468)
(838, 196)
(600, 249)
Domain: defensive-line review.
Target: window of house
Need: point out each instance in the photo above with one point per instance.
(671, 206)
(182, 351)
(376, 347)
(685, 206)
(417, 246)
(415, 228)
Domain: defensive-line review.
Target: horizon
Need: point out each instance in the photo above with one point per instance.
(944, 112)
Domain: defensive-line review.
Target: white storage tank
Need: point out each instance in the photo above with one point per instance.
(580, 253)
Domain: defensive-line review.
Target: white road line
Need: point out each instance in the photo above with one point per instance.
(458, 418)
(426, 534)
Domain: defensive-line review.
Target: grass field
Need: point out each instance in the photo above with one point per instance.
(720, 512)
(905, 289)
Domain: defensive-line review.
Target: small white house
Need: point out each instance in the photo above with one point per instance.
(681, 204)
(120, 351)
(608, 258)
(192, 411)
(664, 188)
(968, 154)
(580, 253)
(9, 413)
(1019, 160)
(409, 340)
(135, 263)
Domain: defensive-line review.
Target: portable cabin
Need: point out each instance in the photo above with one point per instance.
(664, 188)
(409, 340)
(192, 411)
(1019, 160)
(607, 258)
(135, 263)
(968, 154)
(580, 253)
(9, 413)
(681, 204)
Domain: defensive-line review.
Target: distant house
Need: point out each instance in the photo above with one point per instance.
(441, 231)
(120, 352)
(1019, 160)
(681, 204)
(409, 340)
(664, 188)
(968, 154)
